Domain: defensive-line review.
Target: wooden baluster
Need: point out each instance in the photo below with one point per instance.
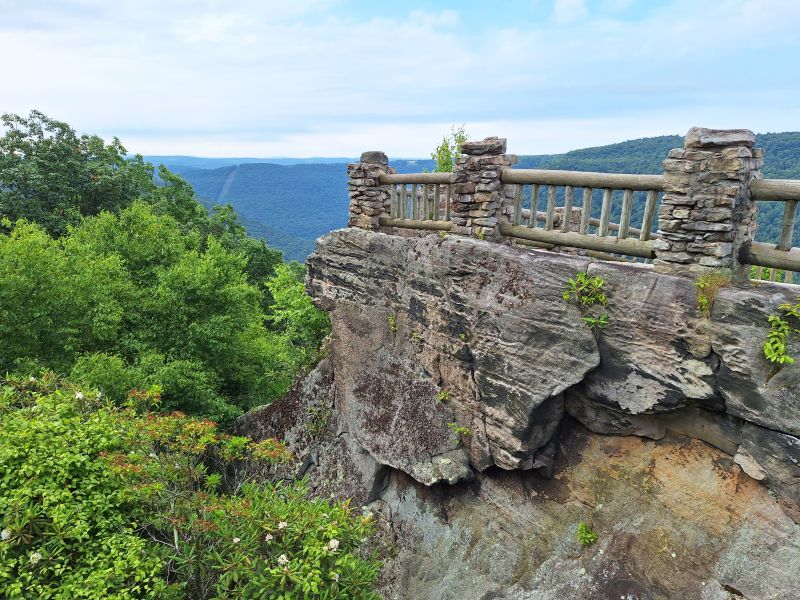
(649, 214)
(518, 204)
(447, 202)
(414, 202)
(534, 205)
(403, 201)
(567, 209)
(625, 217)
(787, 232)
(428, 201)
(436, 199)
(605, 213)
(551, 208)
(586, 211)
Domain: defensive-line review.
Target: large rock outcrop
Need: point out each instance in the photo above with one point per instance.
(457, 381)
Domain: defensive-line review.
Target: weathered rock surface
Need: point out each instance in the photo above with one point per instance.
(752, 387)
(482, 324)
(431, 334)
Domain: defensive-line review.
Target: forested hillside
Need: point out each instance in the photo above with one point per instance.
(291, 205)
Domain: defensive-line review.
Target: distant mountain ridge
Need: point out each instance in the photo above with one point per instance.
(292, 202)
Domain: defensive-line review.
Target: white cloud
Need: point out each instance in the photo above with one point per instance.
(567, 11)
(304, 77)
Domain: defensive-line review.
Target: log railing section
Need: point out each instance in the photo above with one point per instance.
(781, 255)
(621, 238)
(418, 200)
(705, 202)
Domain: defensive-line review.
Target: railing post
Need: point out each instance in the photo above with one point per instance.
(368, 198)
(706, 214)
(479, 198)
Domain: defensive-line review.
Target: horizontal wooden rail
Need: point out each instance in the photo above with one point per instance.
(767, 255)
(775, 189)
(617, 181)
(629, 247)
(441, 178)
(415, 224)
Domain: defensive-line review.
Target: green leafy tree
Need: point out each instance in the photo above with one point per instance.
(52, 176)
(132, 300)
(449, 150)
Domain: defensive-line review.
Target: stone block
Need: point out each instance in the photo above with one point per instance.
(701, 137)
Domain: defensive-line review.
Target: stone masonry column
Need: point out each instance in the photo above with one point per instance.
(368, 199)
(706, 214)
(478, 194)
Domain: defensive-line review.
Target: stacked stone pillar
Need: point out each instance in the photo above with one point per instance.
(478, 194)
(706, 214)
(368, 198)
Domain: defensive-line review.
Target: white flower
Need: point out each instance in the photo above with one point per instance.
(282, 525)
(333, 545)
(5, 534)
(236, 540)
(335, 577)
(35, 558)
(268, 537)
(283, 560)
(153, 455)
(79, 395)
(32, 379)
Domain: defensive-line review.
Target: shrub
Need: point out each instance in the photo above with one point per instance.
(98, 501)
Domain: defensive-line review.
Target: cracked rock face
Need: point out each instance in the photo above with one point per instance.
(453, 354)
(431, 335)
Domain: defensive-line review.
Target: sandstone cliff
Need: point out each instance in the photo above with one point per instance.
(473, 409)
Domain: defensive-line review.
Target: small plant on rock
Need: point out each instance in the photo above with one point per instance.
(708, 284)
(585, 535)
(585, 290)
(392, 321)
(443, 395)
(781, 328)
(460, 431)
(596, 322)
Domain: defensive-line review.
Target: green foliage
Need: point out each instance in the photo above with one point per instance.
(293, 312)
(480, 234)
(459, 431)
(781, 328)
(585, 535)
(585, 290)
(51, 176)
(69, 523)
(392, 321)
(708, 284)
(443, 395)
(133, 300)
(598, 322)
(449, 150)
(98, 501)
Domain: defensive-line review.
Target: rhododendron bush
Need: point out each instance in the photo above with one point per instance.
(99, 500)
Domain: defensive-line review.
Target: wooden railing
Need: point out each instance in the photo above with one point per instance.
(781, 255)
(591, 234)
(419, 200)
(424, 200)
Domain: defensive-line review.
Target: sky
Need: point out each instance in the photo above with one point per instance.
(300, 78)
